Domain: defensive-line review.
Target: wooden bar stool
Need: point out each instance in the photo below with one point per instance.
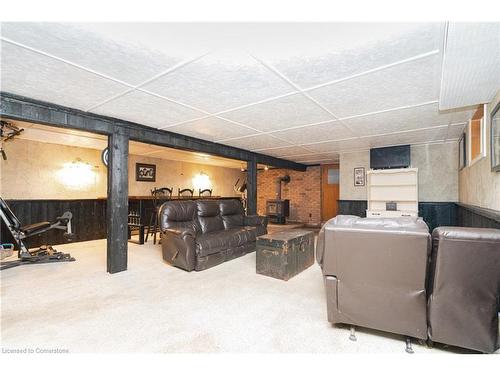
(158, 195)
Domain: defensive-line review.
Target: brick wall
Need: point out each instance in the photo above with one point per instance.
(304, 192)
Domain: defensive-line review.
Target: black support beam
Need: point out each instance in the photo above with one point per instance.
(117, 205)
(25, 109)
(252, 187)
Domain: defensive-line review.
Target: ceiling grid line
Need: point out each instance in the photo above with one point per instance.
(300, 90)
(152, 79)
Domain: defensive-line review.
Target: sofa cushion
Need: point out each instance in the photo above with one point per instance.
(232, 213)
(231, 207)
(211, 243)
(179, 215)
(209, 216)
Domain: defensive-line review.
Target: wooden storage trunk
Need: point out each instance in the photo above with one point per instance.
(283, 255)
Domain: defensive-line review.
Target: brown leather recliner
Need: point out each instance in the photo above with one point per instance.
(197, 235)
(375, 272)
(464, 288)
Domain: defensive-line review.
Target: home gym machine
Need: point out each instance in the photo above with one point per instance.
(45, 254)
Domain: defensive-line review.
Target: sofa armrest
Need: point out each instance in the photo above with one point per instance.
(256, 220)
(178, 247)
(181, 232)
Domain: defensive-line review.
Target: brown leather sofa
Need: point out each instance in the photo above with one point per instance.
(465, 288)
(197, 235)
(375, 272)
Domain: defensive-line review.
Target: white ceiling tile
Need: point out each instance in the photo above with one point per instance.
(40, 77)
(146, 109)
(220, 81)
(471, 68)
(312, 54)
(420, 136)
(281, 113)
(121, 59)
(405, 119)
(287, 151)
(333, 130)
(212, 129)
(318, 157)
(261, 141)
(337, 146)
(410, 83)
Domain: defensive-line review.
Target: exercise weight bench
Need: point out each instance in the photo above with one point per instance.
(45, 254)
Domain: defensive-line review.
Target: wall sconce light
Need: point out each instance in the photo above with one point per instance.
(242, 168)
(201, 181)
(266, 168)
(76, 175)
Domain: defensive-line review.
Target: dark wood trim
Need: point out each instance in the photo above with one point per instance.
(252, 187)
(478, 217)
(117, 207)
(20, 108)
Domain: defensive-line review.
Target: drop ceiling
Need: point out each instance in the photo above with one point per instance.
(302, 92)
(67, 137)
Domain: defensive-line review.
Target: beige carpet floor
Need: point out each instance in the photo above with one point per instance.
(153, 307)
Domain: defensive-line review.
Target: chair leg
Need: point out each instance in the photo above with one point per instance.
(409, 348)
(352, 335)
(149, 227)
(155, 228)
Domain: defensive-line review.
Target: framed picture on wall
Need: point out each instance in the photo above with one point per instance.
(495, 139)
(462, 152)
(145, 172)
(359, 176)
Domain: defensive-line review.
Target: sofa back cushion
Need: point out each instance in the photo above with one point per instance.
(209, 216)
(179, 214)
(232, 213)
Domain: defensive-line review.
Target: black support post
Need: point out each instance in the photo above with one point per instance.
(252, 187)
(117, 206)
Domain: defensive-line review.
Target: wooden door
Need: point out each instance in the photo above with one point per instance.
(329, 191)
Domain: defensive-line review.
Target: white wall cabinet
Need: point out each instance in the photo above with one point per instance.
(399, 186)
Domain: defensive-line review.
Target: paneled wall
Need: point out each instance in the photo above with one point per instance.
(479, 186)
(36, 170)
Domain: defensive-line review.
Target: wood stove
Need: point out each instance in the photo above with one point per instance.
(278, 210)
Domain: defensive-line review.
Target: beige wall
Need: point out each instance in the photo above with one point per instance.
(34, 171)
(347, 163)
(178, 174)
(478, 185)
(437, 172)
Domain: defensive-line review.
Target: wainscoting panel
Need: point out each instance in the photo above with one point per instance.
(473, 216)
(88, 223)
(438, 214)
(352, 207)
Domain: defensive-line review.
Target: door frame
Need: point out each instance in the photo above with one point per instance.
(322, 167)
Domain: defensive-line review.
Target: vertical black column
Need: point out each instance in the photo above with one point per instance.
(252, 187)
(117, 205)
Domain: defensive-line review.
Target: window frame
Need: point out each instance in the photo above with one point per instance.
(482, 138)
(494, 168)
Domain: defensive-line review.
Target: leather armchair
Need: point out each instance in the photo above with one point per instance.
(375, 273)
(465, 288)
